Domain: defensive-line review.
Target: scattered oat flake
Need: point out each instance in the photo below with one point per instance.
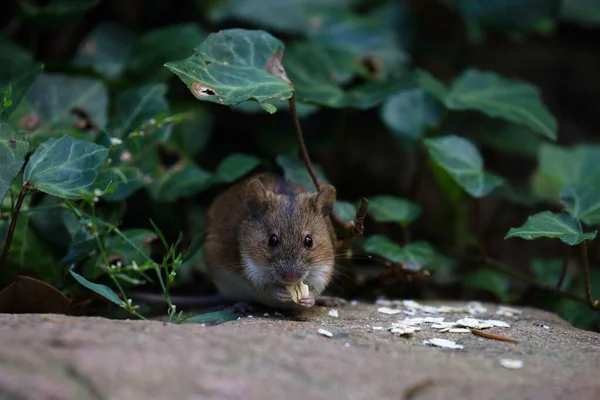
(545, 326)
(511, 364)
(499, 324)
(411, 321)
(468, 322)
(404, 330)
(435, 320)
(443, 325)
(388, 311)
(409, 311)
(459, 330)
(443, 343)
(324, 332)
(378, 328)
(333, 313)
(347, 344)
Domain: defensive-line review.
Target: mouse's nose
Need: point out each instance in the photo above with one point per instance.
(290, 275)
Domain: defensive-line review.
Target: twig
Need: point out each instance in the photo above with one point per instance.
(477, 332)
(13, 225)
(586, 273)
(563, 270)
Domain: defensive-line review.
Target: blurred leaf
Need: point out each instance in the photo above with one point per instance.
(432, 85)
(212, 317)
(12, 51)
(18, 75)
(56, 12)
(236, 65)
(419, 251)
(552, 225)
(252, 107)
(345, 210)
(102, 290)
(27, 295)
(54, 96)
(65, 167)
(156, 47)
(393, 209)
(119, 248)
(136, 106)
(12, 153)
(583, 202)
(411, 112)
(292, 16)
(295, 171)
(105, 49)
(461, 159)
(28, 254)
(82, 245)
(584, 12)
(560, 166)
(55, 225)
(234, 166)
(494, 282)
(507, 137)
(498, 97)
(3, 232)
(190, 136)
(547, 272)
(126, 181)
(181, 180)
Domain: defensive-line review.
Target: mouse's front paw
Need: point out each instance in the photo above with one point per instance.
(282, 294)
(307, 301)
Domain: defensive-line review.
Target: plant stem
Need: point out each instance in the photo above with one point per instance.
(586, 273)
(12, 226)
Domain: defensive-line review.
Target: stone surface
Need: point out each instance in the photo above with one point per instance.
(282, 357)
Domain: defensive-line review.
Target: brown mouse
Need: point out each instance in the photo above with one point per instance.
(265, 233)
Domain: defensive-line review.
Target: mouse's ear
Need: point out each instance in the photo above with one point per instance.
(257, 195)
(325, 200)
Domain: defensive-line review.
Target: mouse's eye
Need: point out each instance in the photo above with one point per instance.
(308, 242)
(273, 241)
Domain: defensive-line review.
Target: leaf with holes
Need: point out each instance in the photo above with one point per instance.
(547, 224)
(583, 202)
(235, 166)
(295, 171)
(498, 97)
(65, 167)
(393, 209)
(55, 96)
(420, 252)
(236, 65)
(102, 290)
(411, 112)
(461, 159)
(12, 153)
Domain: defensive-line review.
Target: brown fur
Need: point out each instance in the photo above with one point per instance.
(241, 220)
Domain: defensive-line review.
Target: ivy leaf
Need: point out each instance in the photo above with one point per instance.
(190, 136)
(181, 180)
(420, 252)
(82, 245)
(411, 112)
(235, 166)
(583, 202)
(345, 210)
(498, 97)
(154, 48)
(236, 65)
(102, 290)
(137, 106)
(56, 12)
(105, 49)
(393, 209)
(54, 96)
(461, 159)
(295, 171)
(12, 153)
(18, 75)
(65, 167)
(552, 225)
(432, 85)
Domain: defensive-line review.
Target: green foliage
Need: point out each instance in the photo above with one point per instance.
(393, 209)
(562, 226)
(494, 282)
(420, 252)
(102, 290)
(12, 153)
(411, 112)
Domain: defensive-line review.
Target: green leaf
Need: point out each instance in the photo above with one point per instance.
(345, 210)
(295, 171)
(583, 12)
(54, 96)
(83, 245)
(461, 159)
(498, 97)
(190, 136)
(547, 272)
(12, 153)
(65, 167)
(137, 106)
(56, 12)
(56, 225)
(420, 252)
(12, 51)
(583, 202)
(134, 247)
(18, 75)
(494, 282)
(552, 225)
(235, 166)
(212, 317)
(180, 181)
(105, 49)
(506, 137)
(432, 85)
(411, 112)
(156, 47)
(393, 209)
(102, 290)
(126, 180)
(236, 65)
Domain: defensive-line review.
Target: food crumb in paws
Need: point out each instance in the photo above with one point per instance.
(298, 291)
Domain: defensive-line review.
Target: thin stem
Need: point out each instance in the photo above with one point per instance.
(300, 138)
(586, 273)
(563, 270)
(12, 226)
(98, 241)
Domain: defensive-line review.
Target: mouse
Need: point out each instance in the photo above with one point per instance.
(264, 235)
